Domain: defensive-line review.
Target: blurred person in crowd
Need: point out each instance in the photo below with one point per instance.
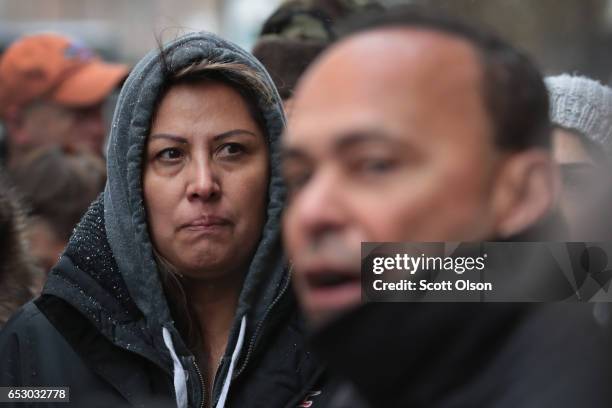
(52, 92)
(3, 143)
(57, 186)
(17, 270)
(581, 112)
(173, 290)
(3, 146)
(296, 33)
(415, 127)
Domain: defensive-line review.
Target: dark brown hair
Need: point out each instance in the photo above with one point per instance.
(17, 269)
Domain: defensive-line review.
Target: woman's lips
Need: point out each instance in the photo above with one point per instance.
(208, 223)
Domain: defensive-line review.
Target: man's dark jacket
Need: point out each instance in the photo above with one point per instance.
(451, 355)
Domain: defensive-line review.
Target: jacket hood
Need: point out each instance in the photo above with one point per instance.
(112, 244)
(124, 212)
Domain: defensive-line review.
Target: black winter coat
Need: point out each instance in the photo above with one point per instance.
(50, 342)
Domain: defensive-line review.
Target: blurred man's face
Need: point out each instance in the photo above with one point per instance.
(388, 140)
(45, 244)
(47, 123)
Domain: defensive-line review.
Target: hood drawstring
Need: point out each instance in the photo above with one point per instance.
(230, 371)
(180, 381)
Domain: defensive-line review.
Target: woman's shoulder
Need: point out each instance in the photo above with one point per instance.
(28, 320)
(34, 353)
(31, 349)
(29, 330)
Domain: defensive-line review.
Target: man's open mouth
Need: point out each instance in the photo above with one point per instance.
(330, 279)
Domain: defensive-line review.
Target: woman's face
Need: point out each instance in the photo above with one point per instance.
(205, 180)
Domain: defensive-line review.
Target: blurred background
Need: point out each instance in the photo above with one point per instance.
(561, 35)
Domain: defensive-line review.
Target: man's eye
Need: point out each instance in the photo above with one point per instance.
(376, 165)
(231, 149)
(170, 154)
(295, 182)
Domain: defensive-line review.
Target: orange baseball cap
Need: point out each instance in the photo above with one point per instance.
(55, 68)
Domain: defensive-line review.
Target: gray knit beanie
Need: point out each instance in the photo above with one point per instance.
(582, 104)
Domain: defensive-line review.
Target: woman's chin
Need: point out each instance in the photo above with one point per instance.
(209, 267)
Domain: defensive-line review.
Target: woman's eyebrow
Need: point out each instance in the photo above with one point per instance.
(233, 132)
(175, 138)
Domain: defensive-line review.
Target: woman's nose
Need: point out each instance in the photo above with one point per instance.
(203, 183)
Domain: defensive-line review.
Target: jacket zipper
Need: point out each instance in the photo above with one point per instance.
(202, 383)
(261, 322)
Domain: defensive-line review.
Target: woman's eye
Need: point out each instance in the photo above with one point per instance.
(170, 154)
(231, 149)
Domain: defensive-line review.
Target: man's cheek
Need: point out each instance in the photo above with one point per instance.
(290, 234)
(384, 223)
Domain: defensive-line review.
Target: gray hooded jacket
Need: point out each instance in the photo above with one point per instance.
(103, 325)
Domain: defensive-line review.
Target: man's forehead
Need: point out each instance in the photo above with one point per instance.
(405, 42)
(386, 68)
(383, 60)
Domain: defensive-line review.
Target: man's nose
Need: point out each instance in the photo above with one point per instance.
(202, 180)
(318, 208)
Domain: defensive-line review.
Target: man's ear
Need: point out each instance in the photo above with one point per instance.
(526, 190)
